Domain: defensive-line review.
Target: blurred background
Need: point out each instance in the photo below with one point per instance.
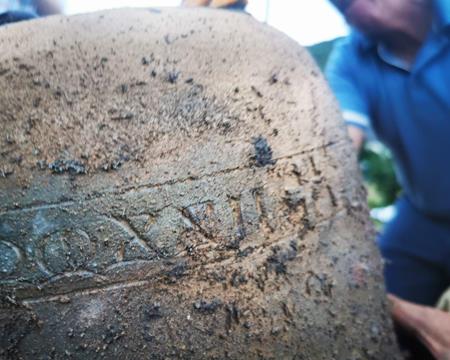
(300, 19)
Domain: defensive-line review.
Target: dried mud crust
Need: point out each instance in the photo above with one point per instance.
(177, 184)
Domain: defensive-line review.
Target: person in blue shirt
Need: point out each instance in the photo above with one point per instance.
(392, 76)
(18, 10)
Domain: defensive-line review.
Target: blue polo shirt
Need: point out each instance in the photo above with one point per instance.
(408, 107)
(17, 5)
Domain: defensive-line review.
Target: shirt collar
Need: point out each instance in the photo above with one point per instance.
(364, 42)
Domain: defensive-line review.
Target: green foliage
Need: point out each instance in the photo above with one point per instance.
(379, 175)
(320, 52)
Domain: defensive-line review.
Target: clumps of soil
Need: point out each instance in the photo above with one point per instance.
(123, 116)
(246, 252)
(153, 311)
(263, 152)
(41, 164)
(177, 272)
(237, 278)
(140, 113)
(113, 164)
(277, 261)
(273, 79)
(294, 198)
(73, 167)
(5, 172)
(233, 315)
(113, 333)
(257, 92)
(207, 307)
(172, 77)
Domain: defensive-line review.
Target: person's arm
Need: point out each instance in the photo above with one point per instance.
(48, 7)
(431, 326)
(344, 76)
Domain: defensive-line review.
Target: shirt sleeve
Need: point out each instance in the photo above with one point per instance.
(342, 72)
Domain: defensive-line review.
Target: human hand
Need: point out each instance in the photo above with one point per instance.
(431, 326)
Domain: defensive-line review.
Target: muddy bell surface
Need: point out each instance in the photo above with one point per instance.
(178, 183)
